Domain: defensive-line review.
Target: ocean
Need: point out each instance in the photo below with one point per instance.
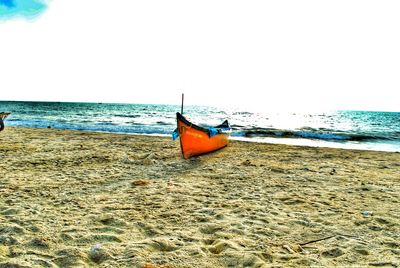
(365, 130)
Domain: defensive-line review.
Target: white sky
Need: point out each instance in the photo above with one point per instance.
(275, 54)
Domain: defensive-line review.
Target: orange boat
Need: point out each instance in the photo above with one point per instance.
(196, 140)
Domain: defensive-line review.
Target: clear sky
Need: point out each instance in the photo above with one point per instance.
(288, 55)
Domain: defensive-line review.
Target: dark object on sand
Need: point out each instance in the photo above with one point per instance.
(3, 116)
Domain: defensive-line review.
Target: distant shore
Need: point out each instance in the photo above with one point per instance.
(88, 199)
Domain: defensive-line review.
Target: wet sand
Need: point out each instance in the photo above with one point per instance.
(81, 199)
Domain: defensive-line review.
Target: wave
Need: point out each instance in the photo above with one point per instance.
(237, 127)
(163, 123)
(128, 115)
(243, 113)
(311, 133)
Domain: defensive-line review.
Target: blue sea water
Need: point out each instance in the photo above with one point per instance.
(340, 129)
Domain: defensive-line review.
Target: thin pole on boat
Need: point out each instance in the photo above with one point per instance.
(183, 95)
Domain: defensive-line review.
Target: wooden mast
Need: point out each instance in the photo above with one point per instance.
(183, 95)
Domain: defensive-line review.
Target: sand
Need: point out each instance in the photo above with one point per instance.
(81, 199)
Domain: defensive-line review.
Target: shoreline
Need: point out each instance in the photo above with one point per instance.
(89, 199)
(301, 142)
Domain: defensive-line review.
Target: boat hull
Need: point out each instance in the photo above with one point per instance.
(196, 140)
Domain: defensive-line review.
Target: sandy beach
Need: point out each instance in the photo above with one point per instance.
(85, 199)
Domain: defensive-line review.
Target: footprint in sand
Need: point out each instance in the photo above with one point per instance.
(13, 230)
(42, 243)
(110, 220)
(362, 250)
(9, 211)
(164, 245)
(219, 246)
(71, 257)
(332, 253)
(99, 238)
(210, 228)
(148, 230)
(107, 229)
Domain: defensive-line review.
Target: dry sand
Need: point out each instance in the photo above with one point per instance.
(79, 199)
